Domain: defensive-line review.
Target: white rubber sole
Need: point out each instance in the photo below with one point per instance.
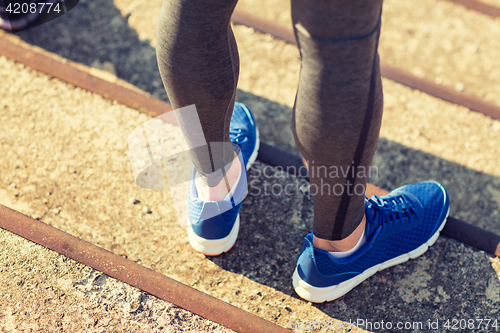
(215, 247)
(319, 295)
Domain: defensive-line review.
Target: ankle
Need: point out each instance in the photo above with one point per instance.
(342, 245)
(218, 192)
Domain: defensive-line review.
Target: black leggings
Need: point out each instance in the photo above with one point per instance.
(338, 107)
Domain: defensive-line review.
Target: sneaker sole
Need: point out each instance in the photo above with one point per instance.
(215, 247)
(324, 294)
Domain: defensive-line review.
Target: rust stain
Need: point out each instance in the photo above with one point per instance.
(75, 74)
(479, 6)
(134, 274)
(157, 284)
(392, 73)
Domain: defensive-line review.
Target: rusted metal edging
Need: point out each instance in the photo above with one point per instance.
(134, 274)
(80, 76)
(74, 73)
(479, 6)
(140, 276)
(450, 95)
(454, 228)
(392, 73)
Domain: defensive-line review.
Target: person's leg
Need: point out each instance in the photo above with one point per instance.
(338, 111)
(338, 115)
(198, 62)
(199, 65)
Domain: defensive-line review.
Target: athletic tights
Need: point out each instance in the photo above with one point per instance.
(338, 106)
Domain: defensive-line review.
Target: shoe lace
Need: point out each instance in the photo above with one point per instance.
(391, 212)
(237, 135)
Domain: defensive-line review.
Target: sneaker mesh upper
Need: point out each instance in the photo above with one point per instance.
(433, 199)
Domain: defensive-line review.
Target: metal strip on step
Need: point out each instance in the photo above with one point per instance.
(479, 6)
(454, 228)
(73, 73)
(392, 73)
(140, 276)
(134, 274)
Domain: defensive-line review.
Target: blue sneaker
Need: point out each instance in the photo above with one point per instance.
(214, 226)
(400, 225)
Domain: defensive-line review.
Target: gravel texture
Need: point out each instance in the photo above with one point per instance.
(42, 291)
(69, 162)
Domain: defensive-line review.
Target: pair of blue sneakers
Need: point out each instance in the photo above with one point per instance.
(400, 225)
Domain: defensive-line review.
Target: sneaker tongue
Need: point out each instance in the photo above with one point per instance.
(371, 223)
(209, 210)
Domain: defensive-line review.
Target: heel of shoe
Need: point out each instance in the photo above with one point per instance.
(311, 284)
(214, 247)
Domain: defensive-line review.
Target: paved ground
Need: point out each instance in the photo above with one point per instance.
(42, 291)
(68, 159)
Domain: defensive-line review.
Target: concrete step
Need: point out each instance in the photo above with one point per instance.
(65, 149)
